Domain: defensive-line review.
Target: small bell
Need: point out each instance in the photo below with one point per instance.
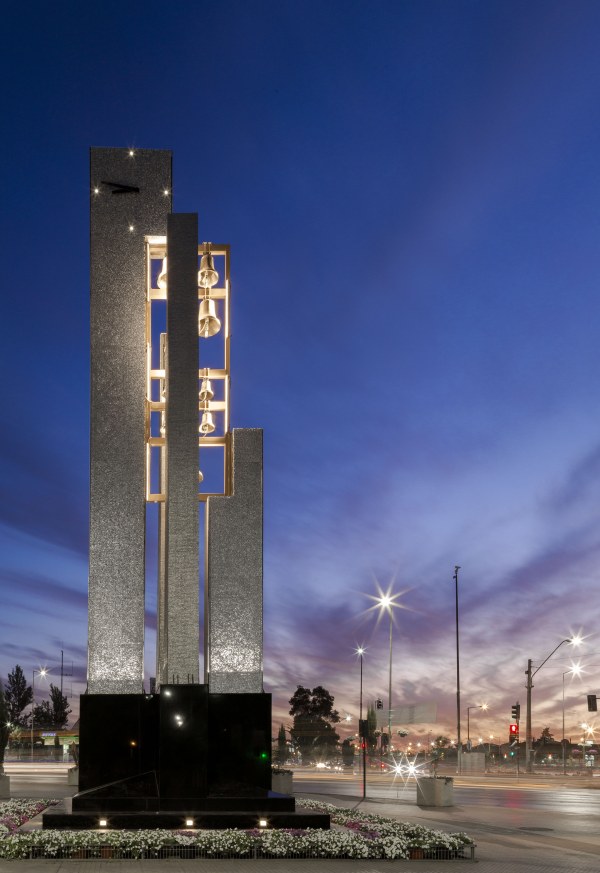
(208, 323)
(162, 276)
(207, 424)
(207, 275)
(200, 476)
(206, 393)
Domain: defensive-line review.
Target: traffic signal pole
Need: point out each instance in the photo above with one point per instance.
(529, 686)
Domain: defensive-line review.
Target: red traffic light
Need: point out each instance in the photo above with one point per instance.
(513, 730)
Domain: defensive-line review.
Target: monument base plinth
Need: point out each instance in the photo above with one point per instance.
(157, 760)
(4, 786)
(178, 820)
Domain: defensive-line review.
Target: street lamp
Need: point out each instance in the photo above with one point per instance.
(483, 707)
(574, 671)
(574, 641)
(360, 651)
(41, 672)
(386, 602)
(458, 739)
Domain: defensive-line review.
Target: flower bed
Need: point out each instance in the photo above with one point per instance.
(14, 813)
(364, 836)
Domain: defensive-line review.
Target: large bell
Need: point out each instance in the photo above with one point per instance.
(162, 276)
(206, 393)
(208, 323)
(207, 275)
(207, 424)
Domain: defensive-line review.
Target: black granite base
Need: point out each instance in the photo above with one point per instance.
(270, 802)
(155, 760)
(177, 820)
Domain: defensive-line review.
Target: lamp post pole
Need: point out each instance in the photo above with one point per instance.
(530, 674)
(41, 672)
(469, 708)
(482, 706)
(32, 710)
(390, 691)
(458, 739)
(385, 603)
(363, 739)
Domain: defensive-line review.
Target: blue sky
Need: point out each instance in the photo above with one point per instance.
(411, 191)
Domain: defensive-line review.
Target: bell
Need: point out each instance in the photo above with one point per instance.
(208, 323)
(163, 425)
(162, 276)
(200, 476)
(207, 275)
(206, 393)
(207, 424)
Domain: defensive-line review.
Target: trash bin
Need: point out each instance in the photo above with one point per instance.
(435, 791)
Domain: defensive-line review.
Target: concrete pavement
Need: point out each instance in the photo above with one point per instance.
(517, 837)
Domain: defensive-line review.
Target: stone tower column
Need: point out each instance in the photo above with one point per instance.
(127, 202)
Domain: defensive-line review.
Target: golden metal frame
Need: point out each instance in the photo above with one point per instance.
(155, 249)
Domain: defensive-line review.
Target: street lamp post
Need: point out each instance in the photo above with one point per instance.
(482, 706)
(386, 602)
(575, 641)
(458, 739)
(363, 739)
(575, 671)
(42, 672)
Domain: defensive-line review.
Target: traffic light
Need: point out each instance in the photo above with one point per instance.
(516, 712)
(363, 727)
(592, 703)
(379, 703)
(513, 733)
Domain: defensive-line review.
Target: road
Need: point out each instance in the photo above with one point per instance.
(533, 826)
(528, 813)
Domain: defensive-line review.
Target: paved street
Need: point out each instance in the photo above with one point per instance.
(539, 826)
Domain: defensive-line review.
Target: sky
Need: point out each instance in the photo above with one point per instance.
(411, 191)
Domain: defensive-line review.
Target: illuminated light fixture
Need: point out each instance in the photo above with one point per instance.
(208, 322)
(166, 192)
(132, 743)
(206, 393)
(96, 190)
(207, 424)
(189, 822)
(102, 822)
(162, 276)
(131, 227)
(262, 823)
(131, 153)
(207, 275)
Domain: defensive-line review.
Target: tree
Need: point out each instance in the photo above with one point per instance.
(54, 714)
(314, 717)
(442, 742)
(546, 736)
(282, 748)
(4, 728)
(18, 696)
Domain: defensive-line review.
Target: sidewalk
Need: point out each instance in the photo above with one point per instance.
(509, 840)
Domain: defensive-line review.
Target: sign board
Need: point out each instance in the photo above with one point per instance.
(413, 713)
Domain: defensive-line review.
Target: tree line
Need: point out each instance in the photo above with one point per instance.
(17, 696)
